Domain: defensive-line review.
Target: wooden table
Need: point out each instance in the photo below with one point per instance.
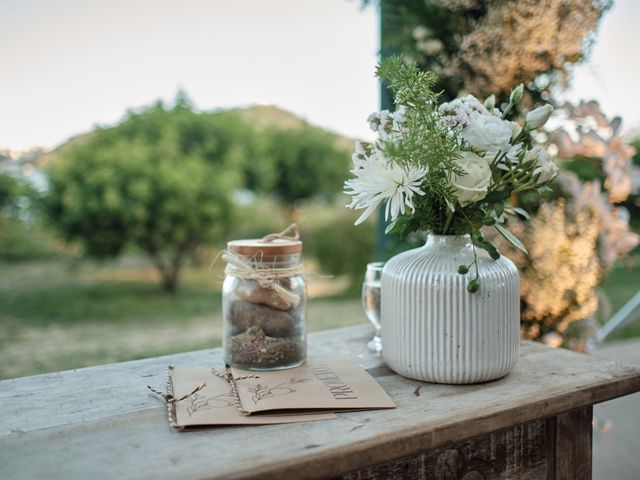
(101, 422)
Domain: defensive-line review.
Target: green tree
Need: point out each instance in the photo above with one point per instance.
(21, 238)
(307, 162)
(9, 192)
(341, 249)
(155, 181)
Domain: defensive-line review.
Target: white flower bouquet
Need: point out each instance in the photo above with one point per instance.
(447, 168)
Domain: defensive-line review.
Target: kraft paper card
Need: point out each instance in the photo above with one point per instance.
(215, 405)
(310, 392)
(331, 384)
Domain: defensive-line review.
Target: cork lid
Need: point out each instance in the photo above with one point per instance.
(258, 246)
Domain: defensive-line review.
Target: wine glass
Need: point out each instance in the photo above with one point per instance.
(371, 302)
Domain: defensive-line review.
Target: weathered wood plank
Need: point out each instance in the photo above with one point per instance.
(519, 452)
(108, 390)
(573, 442)
(102, 421)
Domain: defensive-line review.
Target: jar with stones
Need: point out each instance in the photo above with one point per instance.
(264, 300)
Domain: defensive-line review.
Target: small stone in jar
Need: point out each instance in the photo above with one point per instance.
(254, 293)
(275, 323)
(254, 349)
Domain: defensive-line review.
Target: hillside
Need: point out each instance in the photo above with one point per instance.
(259, 115)
(265, 116)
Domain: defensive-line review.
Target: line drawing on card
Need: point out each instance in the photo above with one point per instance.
(260, 392)
(199, 402)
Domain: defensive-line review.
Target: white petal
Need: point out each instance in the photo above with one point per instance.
(367, 213)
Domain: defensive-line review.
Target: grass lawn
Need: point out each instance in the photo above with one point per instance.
(56, 315)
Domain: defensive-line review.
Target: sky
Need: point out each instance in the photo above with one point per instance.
(612, 73)
(67, 65)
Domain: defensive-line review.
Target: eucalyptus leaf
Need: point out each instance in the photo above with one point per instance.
(521, 212)
(511, 238)
(498, 196)
(490, 249)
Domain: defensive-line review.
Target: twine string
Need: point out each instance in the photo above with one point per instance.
(231, 380)
(292, 232)
(267, 276)
(264, 275)
(169, 398)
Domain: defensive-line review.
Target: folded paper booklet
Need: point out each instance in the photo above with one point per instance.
(313, 391)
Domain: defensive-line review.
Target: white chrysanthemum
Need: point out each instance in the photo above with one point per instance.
(378, 180)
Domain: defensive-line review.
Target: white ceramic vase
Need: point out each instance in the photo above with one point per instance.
(434, 330)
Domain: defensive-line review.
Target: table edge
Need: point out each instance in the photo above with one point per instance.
(413, 440)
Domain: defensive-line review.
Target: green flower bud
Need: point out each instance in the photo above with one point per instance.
(473, 286)
(462, 269)
(494, 253)
(490, 102)
(516, 94)
(489, 221)
(537, 118)
(477, 236)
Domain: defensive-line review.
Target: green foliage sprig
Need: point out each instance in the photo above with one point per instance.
(425, 140)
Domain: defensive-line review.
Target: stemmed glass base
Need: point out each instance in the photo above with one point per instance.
(371, 301)
(375, 344)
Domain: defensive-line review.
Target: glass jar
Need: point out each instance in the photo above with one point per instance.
(264, 300)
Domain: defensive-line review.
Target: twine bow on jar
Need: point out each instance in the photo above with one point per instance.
(267, 275)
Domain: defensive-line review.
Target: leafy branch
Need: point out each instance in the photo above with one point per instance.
(423, 139)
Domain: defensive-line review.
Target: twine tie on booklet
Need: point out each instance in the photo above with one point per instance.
(264, 274)
(231, 380)
(169, 398)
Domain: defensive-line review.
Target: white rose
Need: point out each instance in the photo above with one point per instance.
(545, 167)
(487, 133)
(538, 117)
(473, 185)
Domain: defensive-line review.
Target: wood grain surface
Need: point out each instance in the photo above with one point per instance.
(519, 452)
(101, 422)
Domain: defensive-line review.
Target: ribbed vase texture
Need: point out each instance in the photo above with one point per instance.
(434, 330)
